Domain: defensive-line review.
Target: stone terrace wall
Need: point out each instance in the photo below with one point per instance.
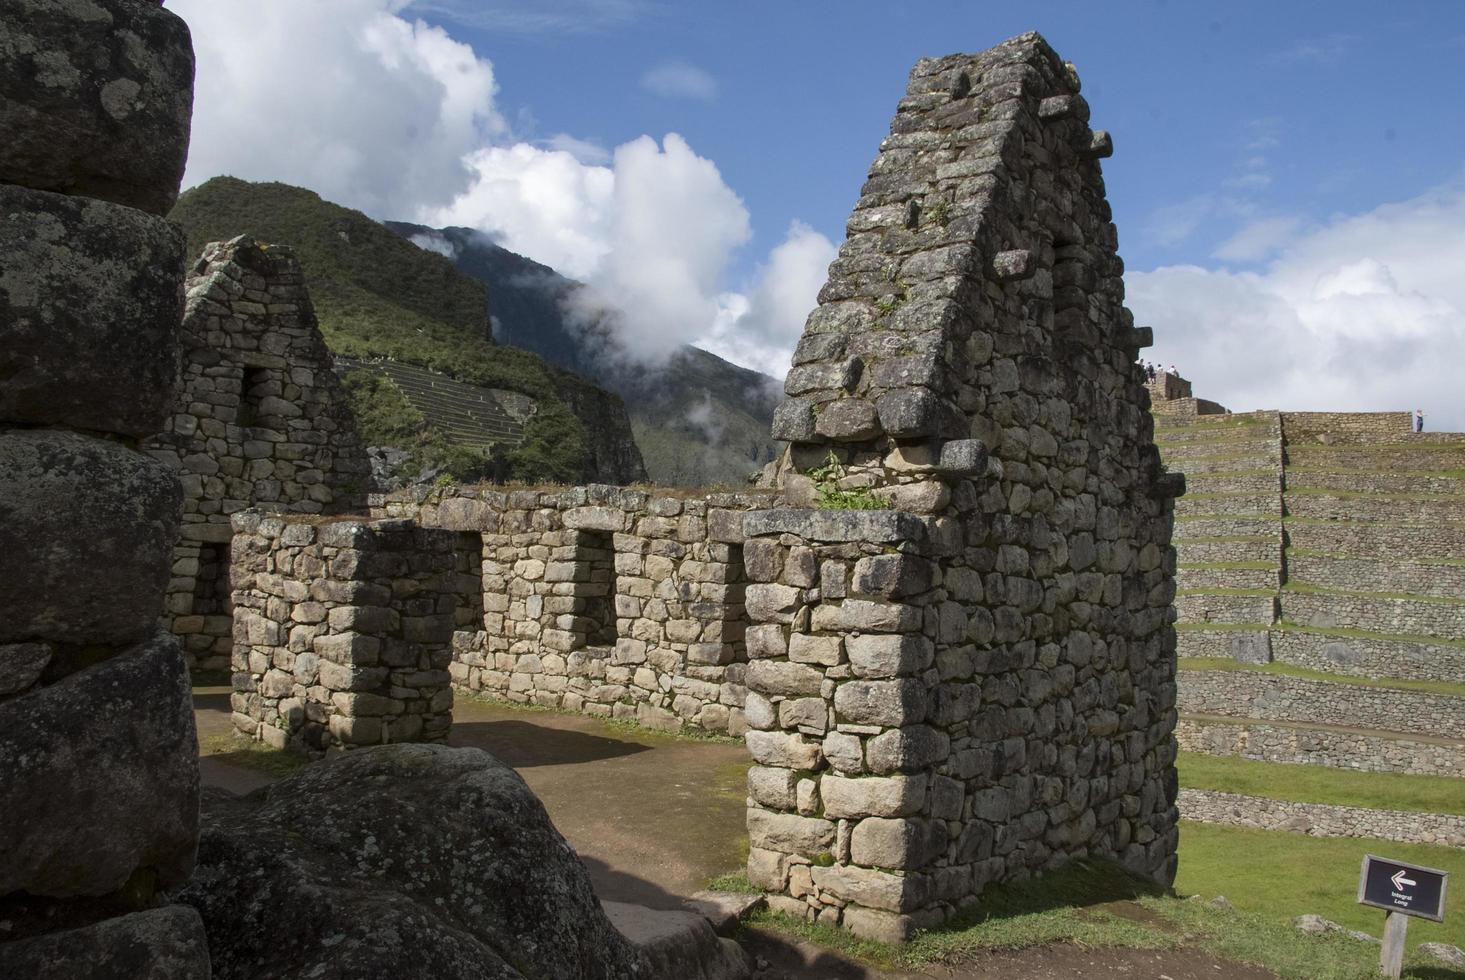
(606, 600)
(981, 687)
(260, 420)
(99, 793)
(344, 630)
(1351, 427)
(1323, 820)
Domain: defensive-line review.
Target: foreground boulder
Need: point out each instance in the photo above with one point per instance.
(400, 860)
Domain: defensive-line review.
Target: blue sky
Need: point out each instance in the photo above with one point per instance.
(1288, 182)
(1271, 109)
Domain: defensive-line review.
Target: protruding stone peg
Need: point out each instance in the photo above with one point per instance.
(963, 457)
(1136, 338)
(1170, 485)
(1064, 107)
(1101, 145)
(1017, 263)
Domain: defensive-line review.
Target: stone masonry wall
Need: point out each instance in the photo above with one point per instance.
(1323, 820)
(977, 684)
(259, 420)
(99, 793)
(1323, 746)
(344, 629)
(611, 601)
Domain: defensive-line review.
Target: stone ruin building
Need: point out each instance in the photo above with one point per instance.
(259, 420)
(1330, 543)
(971, 684)
(100, 790)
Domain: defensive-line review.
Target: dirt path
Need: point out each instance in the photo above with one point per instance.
(654, 817)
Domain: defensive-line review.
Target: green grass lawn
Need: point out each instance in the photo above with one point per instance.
(1321, 784)
(227, 747)
(1280, 875)
(1085, 904)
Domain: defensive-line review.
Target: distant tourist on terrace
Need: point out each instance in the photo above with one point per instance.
(1419, 420)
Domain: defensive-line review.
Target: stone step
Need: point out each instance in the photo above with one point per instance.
(1365, 540)
(1242, 525)
(1223, 482)
(1339, 747)
(1375, 613)
(1375, 508)
(1254, 695)
(1254, 448)
(1322, 819)
(1201, 550)
(1378, 459)
(1190, 578)
(1375, 574)
(1228, 504)
(1405, 483)
(1211, 607)
(1361, 654)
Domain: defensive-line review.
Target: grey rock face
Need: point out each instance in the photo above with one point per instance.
(101, 777)
(21, 665)
(401, 860)
(96, 98)
(86, 527)
(159, 944)
(89, 308)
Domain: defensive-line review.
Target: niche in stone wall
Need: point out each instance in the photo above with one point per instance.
(594, 620)
(212, 592)
(254, 385)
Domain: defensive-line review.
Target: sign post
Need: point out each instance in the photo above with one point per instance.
(1401, 890)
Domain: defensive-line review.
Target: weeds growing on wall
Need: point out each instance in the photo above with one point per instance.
(831, 497)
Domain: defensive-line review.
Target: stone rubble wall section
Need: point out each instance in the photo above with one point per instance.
(977, 684)
(1353, 428)
(604, 600)
(1363, 540)
(260, 420)
(1414, 617)
(344, 630)
(97, 741)
(1321, 819)
(1278, 697)
(1361, 751)
(1369, 656)
(1378, 574)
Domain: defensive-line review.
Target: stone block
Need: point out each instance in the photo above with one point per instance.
(767, 869)
(874, 889)
(907, 750)
(166, 943)
(891, 703)
(894, 576)
(872, 796)
(595, 519)
(89, 312)
(879, 926)
(909, 413)
(773, 788)
(900, 844)
(766, 642)
(86, 532)
(826, 651)
(788, 832)
(466, 514)
(838, 526)
(889, 655)
(104, 766)
(783, 750)
(772, 603)
(780, 677)
(793, 421)
(96, 99)
(866, 615)
(848, 420)
(963, 457)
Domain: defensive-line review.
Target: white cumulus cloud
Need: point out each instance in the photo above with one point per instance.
(376, 110)
(1366, 313)
(346, 98)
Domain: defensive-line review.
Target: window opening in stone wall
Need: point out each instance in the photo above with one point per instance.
(253, 387)
(595, 619)
(213, 595)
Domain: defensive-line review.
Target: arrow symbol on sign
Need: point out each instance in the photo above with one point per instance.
(1400, 881)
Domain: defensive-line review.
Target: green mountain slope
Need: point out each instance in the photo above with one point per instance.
(379, 296)
(698, 419)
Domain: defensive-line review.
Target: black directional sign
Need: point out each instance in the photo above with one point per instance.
(1405, 888)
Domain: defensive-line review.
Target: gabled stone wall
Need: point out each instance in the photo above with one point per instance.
(981, 687)
(259, 421)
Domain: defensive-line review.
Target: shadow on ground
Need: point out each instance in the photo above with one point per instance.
(526, 745)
